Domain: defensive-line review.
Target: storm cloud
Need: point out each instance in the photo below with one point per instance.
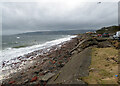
(20, 17)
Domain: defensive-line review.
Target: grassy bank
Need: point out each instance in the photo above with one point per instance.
(104, 66)
(110, 29)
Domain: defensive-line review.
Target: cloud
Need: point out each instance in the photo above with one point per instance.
(19, 17)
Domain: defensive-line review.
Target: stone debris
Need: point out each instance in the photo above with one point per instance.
(44, 66)
(26, 81)
(47, 76)
(11, 82)
(36, 72)
(34, 79)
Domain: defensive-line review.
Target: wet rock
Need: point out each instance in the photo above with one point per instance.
(34, 79)
(47, 76)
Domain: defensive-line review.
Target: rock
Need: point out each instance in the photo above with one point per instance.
(47, 76)
(114, 59)
(41, 70)
(41, 74)
(79, 49)
(36, 72)
(54, 62)
(91, 69)
(34, 79)
(51, 68)
(43, 83)
(60, 61)
(74, 52)
(61, 65)
(32, 84)
(46, 71)
(26, 81)
(45, 59)
(34, 66)
(55, 59)
(57, 65)
(11, 82)
(107, 65)
(50, 62)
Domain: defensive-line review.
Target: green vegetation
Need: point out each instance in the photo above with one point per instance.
(111, 29)
(103, 66)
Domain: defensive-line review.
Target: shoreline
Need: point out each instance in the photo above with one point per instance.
(13, 53)
(72, 59)
(33, 59)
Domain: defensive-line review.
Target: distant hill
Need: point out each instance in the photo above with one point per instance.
(111, 29)
(67, 32)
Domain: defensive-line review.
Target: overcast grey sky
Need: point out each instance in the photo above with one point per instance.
(19, 17)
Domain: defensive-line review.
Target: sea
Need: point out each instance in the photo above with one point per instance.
(18, 45)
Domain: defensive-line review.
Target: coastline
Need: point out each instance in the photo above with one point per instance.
(32, 59)
(72, 59)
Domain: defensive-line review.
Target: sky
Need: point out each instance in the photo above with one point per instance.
(21, 17)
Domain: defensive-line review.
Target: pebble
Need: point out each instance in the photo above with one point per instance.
(34, 79)
(53, 62)
(26, 81)
(41, 70)
(36, 72)
(11, 82)
(46, 71)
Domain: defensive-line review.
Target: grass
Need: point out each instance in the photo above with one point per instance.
(103, 68)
